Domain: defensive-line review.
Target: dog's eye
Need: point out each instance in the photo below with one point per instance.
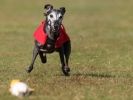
(51, 16)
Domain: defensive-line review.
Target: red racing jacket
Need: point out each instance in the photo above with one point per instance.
(41, 36)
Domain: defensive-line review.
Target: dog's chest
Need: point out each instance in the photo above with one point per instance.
(41, 38)
(47, 48)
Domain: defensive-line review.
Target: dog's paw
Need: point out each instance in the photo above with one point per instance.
(66, 71)
(29, 69)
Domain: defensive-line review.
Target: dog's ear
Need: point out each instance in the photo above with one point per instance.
(48, 7)
(63, 10)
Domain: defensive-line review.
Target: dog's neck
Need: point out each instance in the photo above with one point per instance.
(48, 30)
(50, 42)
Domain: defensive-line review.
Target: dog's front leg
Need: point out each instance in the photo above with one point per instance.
(62, 58)
(35, 53)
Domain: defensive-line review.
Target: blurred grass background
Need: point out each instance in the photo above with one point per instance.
(101, 63)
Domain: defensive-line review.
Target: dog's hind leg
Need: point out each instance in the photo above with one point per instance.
(43, 57)
(35, 53)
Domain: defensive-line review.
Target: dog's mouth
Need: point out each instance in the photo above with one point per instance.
(55, 28)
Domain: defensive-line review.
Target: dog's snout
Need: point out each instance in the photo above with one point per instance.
(56, 25)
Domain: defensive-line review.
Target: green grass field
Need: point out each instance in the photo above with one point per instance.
(101, 62)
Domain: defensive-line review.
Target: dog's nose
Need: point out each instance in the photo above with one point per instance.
(56, 25)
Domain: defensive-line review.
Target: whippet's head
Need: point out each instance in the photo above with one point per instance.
(54, 19)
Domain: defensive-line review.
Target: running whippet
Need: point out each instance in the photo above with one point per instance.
(51, 36)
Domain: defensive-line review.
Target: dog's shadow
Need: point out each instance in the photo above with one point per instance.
(91, 74)
(94, 74)
(98, 74)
